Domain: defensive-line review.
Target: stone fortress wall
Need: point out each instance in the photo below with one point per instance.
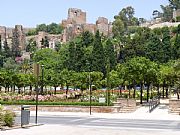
(73, 26)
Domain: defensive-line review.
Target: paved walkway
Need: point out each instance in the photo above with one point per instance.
(160, 113)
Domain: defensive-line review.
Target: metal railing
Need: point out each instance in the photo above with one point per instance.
(153, 103)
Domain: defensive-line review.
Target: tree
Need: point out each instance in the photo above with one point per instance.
(32, 32)
(86, 38)
(0, 45)
(54, 28)
(127, 16)
(72, 53)
(154, 48)
(16, 51)
(67, 79)
(167, 14)
(31, 46)
(98, 61)
(166, 44)
(176, 45)
(176, 68)
(165, 76)
(137, 70)
(46, 57)
(118, 27)
(110, 54)
(79, 55)
(175, 4)
(41, 27)
(7, 51)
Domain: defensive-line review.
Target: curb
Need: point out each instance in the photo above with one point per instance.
(19, 126)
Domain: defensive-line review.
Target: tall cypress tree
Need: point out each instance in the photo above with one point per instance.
(71, 61)
(15, 43)
(7, 51)
(166, 44)
(154, 50)
(176, 46)
(110, 54)
(98, 60)
(0, 45)
(79, 56)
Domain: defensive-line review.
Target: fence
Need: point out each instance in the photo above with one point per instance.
(153, 103)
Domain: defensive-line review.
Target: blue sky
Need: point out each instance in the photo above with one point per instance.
(29, 13)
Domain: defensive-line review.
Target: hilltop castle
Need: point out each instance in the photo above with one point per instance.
(73, 26)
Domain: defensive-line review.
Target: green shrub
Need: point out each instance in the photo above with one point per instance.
(6, 117)
(52, 103)
(9, 118)
(1, 116)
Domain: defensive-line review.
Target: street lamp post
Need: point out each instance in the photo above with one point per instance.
(90, 94)
(42, 79)
(36, 72)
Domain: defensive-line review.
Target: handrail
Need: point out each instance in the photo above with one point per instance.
(153, 103)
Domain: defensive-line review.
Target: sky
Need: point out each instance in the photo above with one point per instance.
(29, 13)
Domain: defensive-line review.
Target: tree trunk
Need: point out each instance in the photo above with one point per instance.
(67, 91)
(163, 88)
(158, 90)
(141, 95)
(14, 88)
(11, 88)
(129, 90)
(55, 90)
(8, 89)
(120, 91)
(30, 89)
(134, 93)
(166, 92)
(24, 89)
(19, 90)
(5, 89)
(178, 94)
(148, 92)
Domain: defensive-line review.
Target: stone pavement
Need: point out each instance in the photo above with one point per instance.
(160, 113)
(76, 130)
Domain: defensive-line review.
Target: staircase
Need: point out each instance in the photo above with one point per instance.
(174, 106)
(124, 105)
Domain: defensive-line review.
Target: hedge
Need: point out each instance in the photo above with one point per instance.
(51, 103)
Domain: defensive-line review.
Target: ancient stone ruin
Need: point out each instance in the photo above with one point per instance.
(73, 26)
(76, 23)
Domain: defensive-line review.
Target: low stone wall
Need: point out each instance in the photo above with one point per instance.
(59, 108)
(174, 106)
(123, 105)
(127, 102)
